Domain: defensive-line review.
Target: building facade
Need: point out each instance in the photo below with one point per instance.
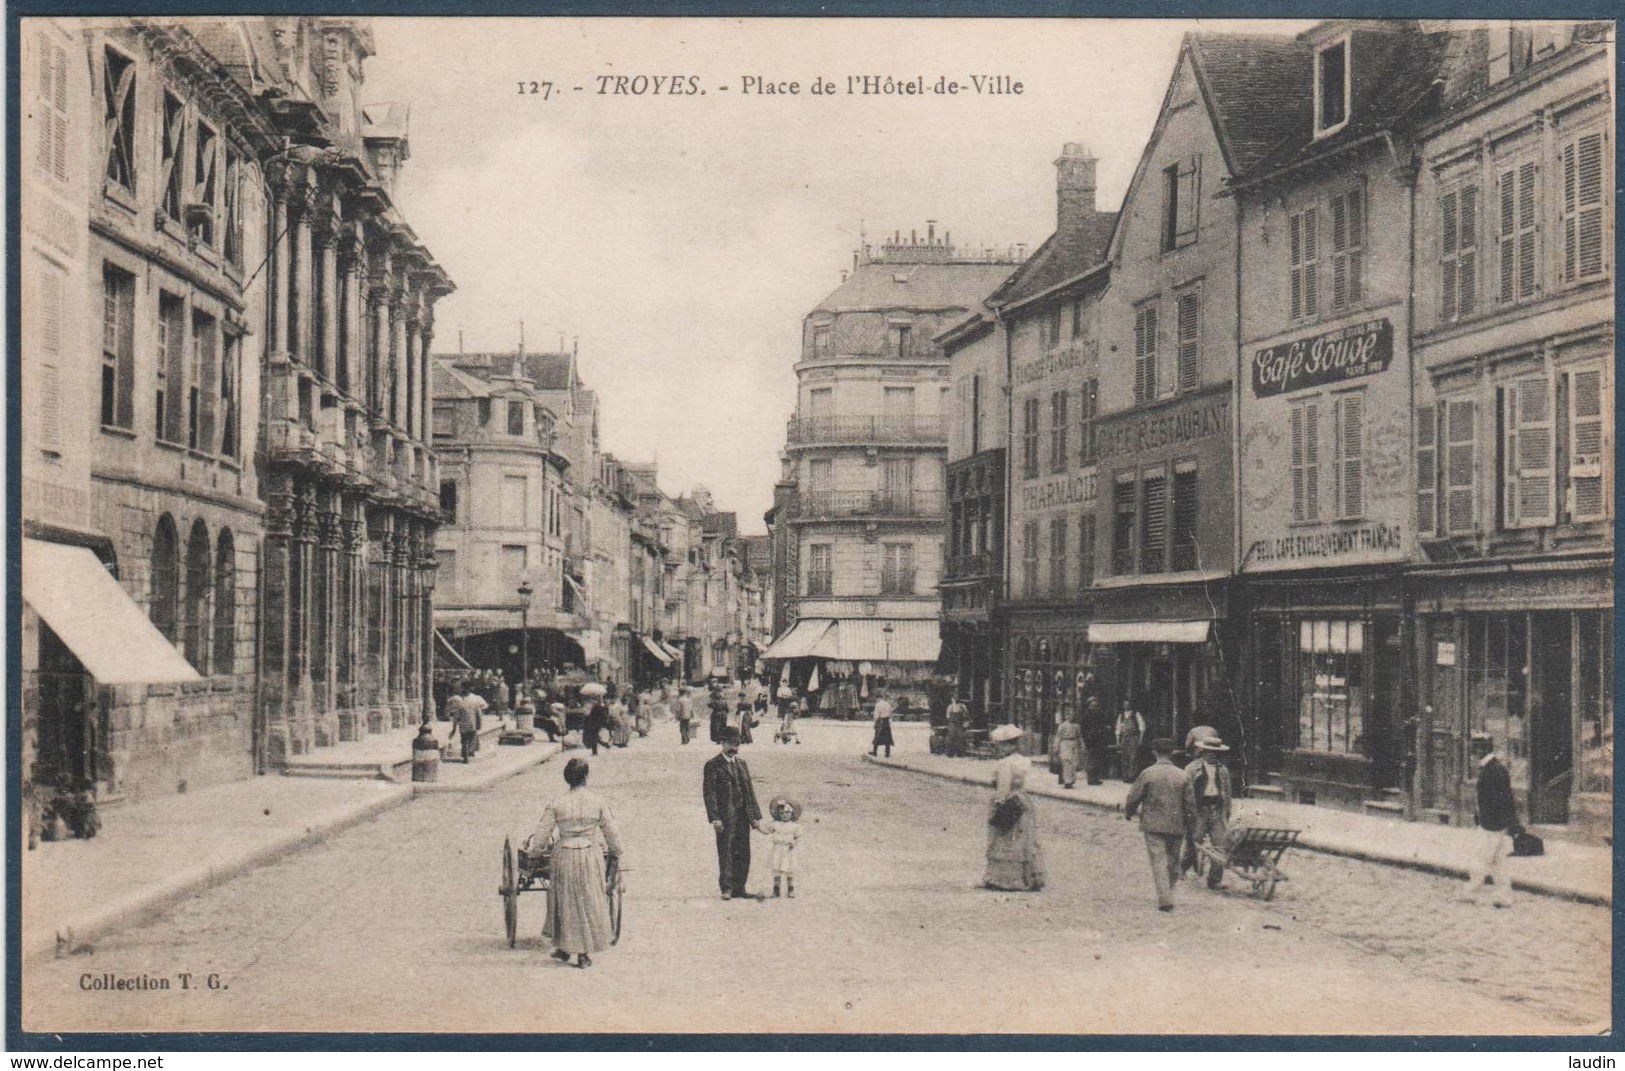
(863, 500)
(1513, 388)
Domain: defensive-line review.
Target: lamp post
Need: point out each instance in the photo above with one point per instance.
(522, 733)
(888, 628)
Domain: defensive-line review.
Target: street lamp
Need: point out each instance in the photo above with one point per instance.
(888, 628)
(525, 593)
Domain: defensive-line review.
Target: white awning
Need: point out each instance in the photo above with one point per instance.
(801, 640)
(654, 648)
(1149, 632)
(867, 640)
(676, 655)
(591, 647)
(445, 645)
(98, 621)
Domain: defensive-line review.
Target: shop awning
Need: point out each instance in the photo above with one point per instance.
(866, 640)
(676, 655)
(801, 641)
(655, 649)
(591, 647)
(1149, 631)
(98, 621)
(445, 645)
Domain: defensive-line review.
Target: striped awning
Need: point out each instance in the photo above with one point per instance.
(801, 641)
(866, 640)
(656, 650)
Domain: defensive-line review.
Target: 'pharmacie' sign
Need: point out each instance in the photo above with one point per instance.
(1348, 353)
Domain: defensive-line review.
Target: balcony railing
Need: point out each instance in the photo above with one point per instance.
(817, 505)
(923, 430)
(963, 566)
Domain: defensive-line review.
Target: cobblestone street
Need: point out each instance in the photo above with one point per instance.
(395, 925)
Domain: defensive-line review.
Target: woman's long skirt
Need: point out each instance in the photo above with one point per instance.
(1069, 761)
(577, 904)
(1014, 860)
(883, 737)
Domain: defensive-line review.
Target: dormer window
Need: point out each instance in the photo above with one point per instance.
(1331, 87)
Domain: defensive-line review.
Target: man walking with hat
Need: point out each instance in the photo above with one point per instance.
(1161, 797)
(731, 807)
(1209, 781)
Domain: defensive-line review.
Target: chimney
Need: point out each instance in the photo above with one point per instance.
(1074, 188)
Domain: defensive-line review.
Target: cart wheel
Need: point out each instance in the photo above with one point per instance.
(617, 901)
(510, 892)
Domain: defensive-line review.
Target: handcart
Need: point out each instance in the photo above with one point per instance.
(1252, 854)
(524, 872)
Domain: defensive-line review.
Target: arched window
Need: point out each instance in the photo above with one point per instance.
(225, 605)
(196, 627)
(166, 577)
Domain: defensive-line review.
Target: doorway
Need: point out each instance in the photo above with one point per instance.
(1551, 744)
(66, 750)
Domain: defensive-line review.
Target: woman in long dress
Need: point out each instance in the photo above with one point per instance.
(620, 726)
(582, 833)
(1014, 860)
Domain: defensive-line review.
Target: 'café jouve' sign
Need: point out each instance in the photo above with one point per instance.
(1347, 353)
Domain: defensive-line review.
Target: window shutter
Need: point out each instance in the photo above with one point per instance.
(1583, 206)
(1189, 190)
(1311, 461)
(1348, 223)
(1184, 542)
(1154, 529)
(1086, 550)
(1087, 405)
(1298, 512)
(1350, 451)
(1190, 340)
(50, 358)
(1587, 447)
(1530, 450)
(1311, 280)
(1467, 252)
(1450, 248)
(1427, 476)
(52, 148)
(1145, 354)
(1459, 467)
(1356, 249)
(1295, 228)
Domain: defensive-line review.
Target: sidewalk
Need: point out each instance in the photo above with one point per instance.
(1572, 871)
(151, 853)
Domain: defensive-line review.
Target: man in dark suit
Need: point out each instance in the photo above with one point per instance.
(1497, 818)
(730, 805)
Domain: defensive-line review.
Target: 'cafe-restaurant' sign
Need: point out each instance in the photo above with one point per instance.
(1347, 353)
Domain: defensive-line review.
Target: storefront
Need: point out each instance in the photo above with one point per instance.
(1052, 673)
(1524, 658)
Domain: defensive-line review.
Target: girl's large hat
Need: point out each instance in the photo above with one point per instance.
(1005, 732)
(785, 801)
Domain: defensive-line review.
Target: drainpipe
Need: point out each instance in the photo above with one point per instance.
(1408, 638)
(1002, 326)
(1237, 610)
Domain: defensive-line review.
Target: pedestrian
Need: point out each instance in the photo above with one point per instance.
(1014, 859)
(592, 727)
(463, 709)
(502, 697)
(958, 721)
(620, 723)
(1096, 730)
(787, 723)
(718, 707)
(1497, 822)
(1197, 734)
(584, 848)
(731, 808)
(1209, 781)
(783, 832)
(1161, 797)
(553, 721)
(745, 719)
(883, 735)
(683, 707)
(1068, 743)
(1130, 731)
(641, 714)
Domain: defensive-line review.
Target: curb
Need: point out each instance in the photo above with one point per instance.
(535, 755)
(73, 935)
(1325, 846)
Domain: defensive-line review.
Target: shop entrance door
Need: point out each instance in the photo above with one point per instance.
(65, 751)
(1159, 699)
(1551, 744)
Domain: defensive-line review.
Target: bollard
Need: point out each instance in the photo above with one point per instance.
(426, 755)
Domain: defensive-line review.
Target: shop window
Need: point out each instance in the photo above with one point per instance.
(1458, 253)
(1305, 420)
(1057, 556)
(1594, 704)
(1517, 236)
(1528, 476)
(1303, 247)
(1059, 431)
(1331, 693)
(1498, 670)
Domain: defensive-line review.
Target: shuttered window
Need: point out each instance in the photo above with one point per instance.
(1029, 438)
(118, 348)
(1183, 550)
(230, 373)
(1427, 470)
(118, 118)
(1124, 516)
(1189, 348)
(1086, 550)
(1348, 448)
(1588, 446)
(1458, 253)
(1348, 248)
(1060, 431)
(49, 311)
(1029, 559)
(1460, 514)
(1528, 498)
(205, 181)
(1304, 248)
(233, 230)
(172, 169)
(1088, 407)
(1145, 353)
(1057, 556)
(1305, 462)
(1154, 525)
(1582, 160)
(1517, 235)
(51, 111)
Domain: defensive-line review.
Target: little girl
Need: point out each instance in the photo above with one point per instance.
(784, 831)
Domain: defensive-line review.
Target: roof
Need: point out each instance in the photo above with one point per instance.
(879, 285)
(548, 371)
(1396, 70)
(1255, 85)
(453, 382)
(1064, 255)
(720, 524)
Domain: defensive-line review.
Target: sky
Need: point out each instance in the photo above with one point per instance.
(680, 240)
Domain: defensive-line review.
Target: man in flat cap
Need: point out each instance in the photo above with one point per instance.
(730, 805)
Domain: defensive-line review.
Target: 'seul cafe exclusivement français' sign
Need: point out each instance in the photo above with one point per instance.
(1347, 353)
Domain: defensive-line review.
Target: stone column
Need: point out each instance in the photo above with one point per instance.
(301, 334)
(378, 367)
(328, 326)
(378, 597)
(398, 401)
(400, 557)
(426, 409)
(414, 377)
(352, 376)
(299, 617)
(278, 329)
(348, 617)
(324, 632)
(271, 740)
